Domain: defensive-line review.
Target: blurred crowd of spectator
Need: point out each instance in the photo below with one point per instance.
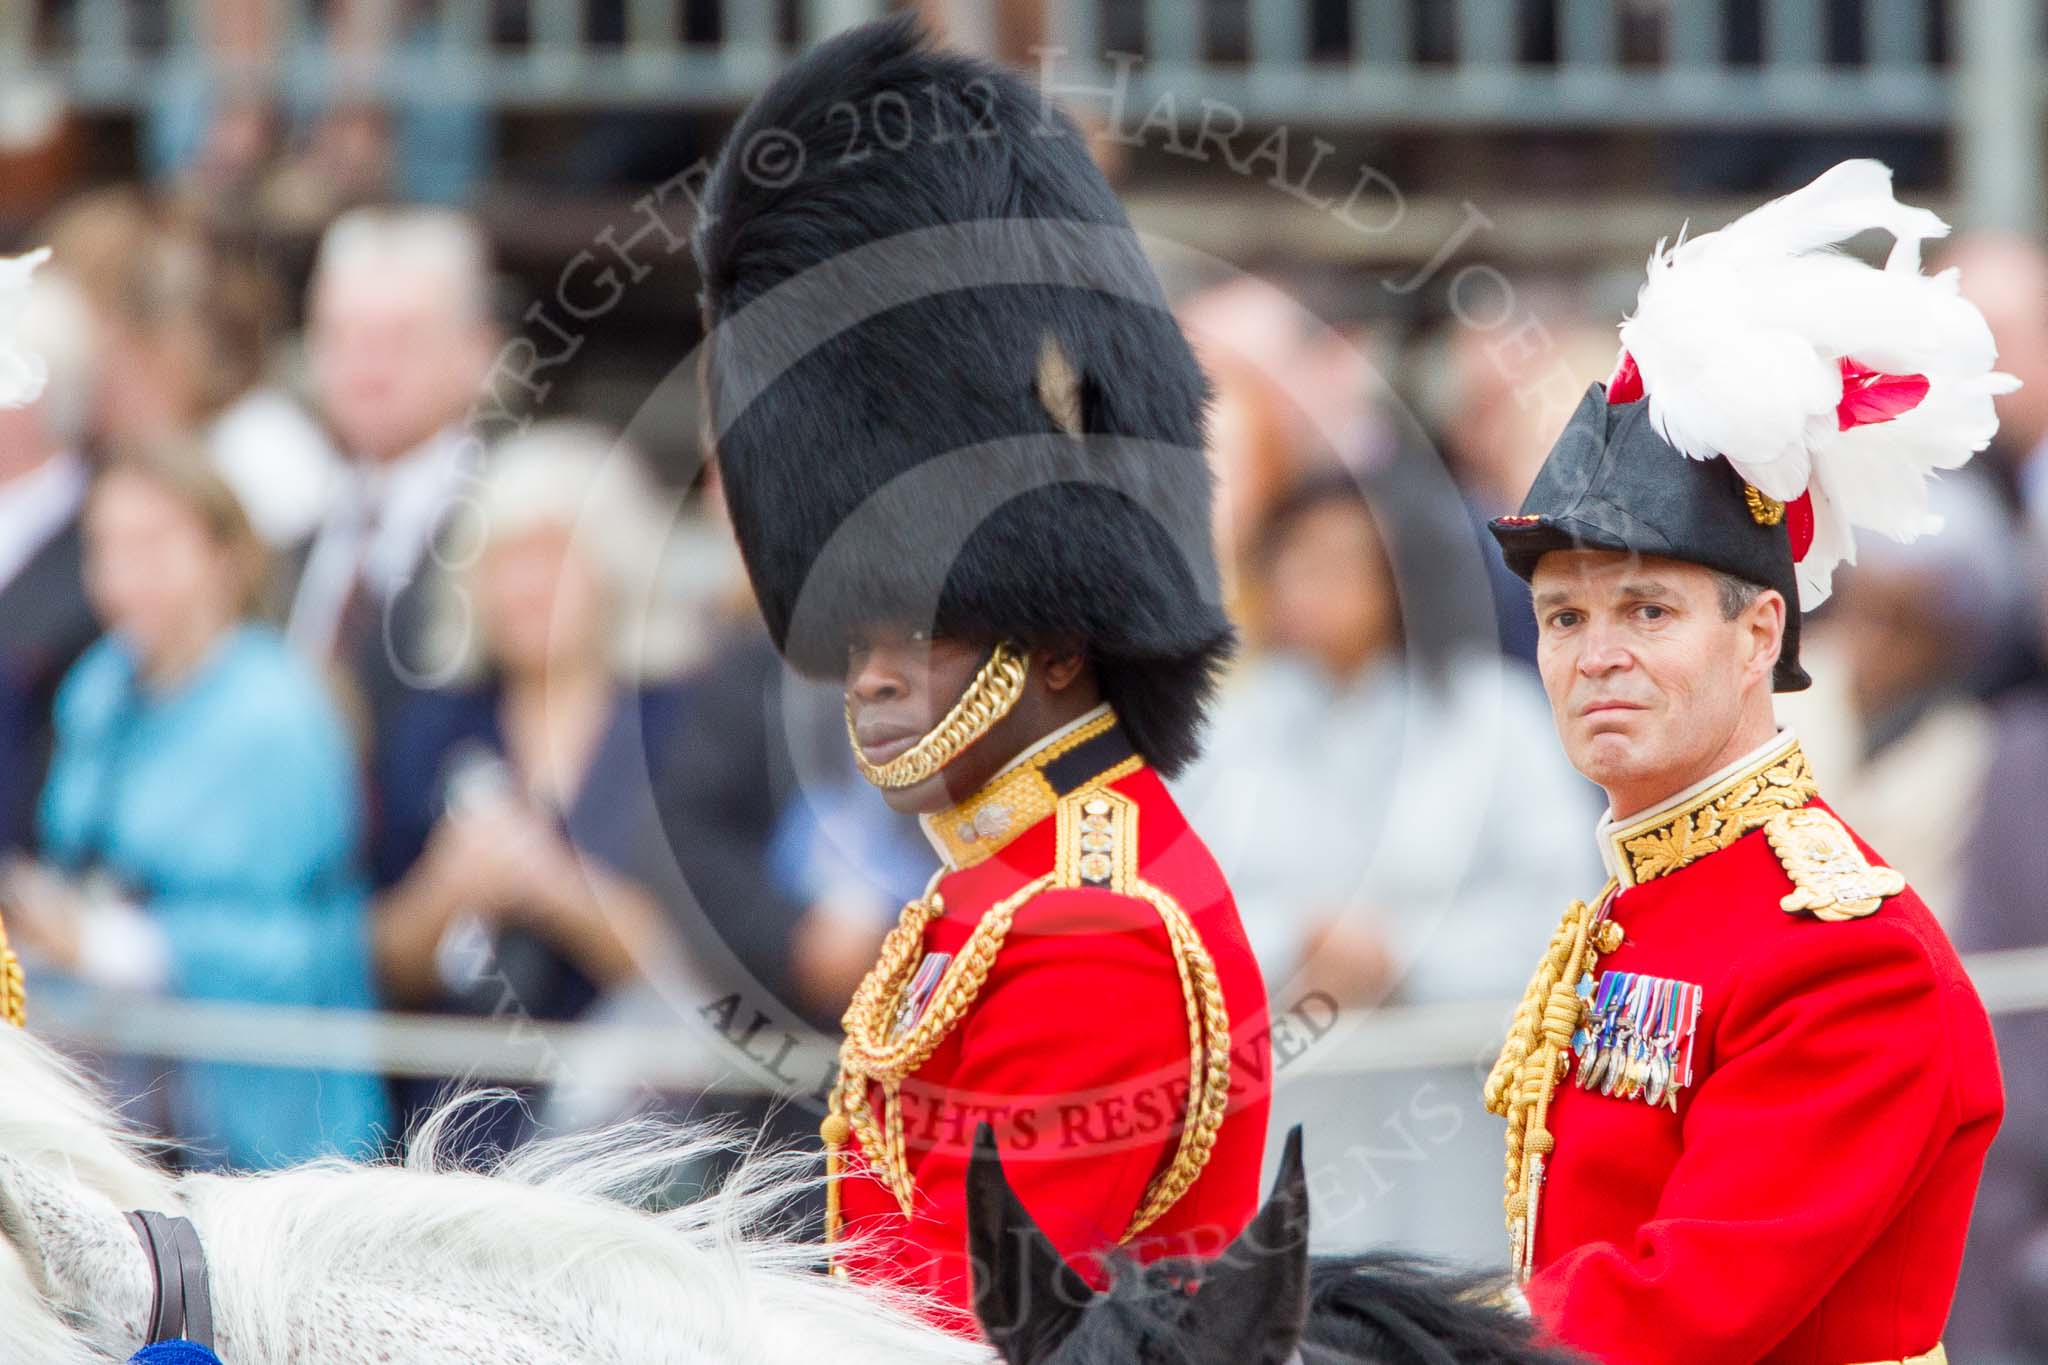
(309, 695)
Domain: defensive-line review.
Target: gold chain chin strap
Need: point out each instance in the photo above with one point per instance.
(988, 698)
(1533, 1060)
(13, 993)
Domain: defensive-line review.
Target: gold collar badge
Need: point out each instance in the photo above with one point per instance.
(990, 820)
(1668, 840)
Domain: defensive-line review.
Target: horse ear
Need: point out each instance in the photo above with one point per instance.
(80, 1255)
(1253, 1302)
(1027, 1297)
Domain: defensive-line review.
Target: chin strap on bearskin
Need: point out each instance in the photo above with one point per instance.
(986, 700)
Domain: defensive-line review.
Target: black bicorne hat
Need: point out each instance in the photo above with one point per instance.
(945, 385)
(1773, 397)
(1612, 483)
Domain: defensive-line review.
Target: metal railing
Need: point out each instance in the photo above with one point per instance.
(688, 1057)
(1665, 64)
(1447, 62)
(1597, 63)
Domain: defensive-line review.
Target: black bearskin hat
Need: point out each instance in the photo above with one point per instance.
(944, 383)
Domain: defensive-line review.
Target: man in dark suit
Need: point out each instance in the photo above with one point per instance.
(45, 621)
(400, 338)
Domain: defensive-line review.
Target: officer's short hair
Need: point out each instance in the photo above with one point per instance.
(1734, 593)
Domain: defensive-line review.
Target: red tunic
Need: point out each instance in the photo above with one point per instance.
(1808, 1200)
(1077, 1049)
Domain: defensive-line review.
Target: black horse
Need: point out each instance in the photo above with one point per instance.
(1265, 1301)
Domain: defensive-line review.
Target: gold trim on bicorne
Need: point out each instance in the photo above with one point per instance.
(1664, 842)
(1764, 509)
(13, 993)
(1094, 822)
(979, 827)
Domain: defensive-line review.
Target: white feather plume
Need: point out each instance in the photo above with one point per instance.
(21, 372)
(1739, 336)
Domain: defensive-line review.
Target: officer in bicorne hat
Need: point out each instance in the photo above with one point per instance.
(1750, 1090)
(961, 438)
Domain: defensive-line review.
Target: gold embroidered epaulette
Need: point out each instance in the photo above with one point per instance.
(1098, 847)
(1831, 879)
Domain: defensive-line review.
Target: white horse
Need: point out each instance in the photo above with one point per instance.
(545, 1261)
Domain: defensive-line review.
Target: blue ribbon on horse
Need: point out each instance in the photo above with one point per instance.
(174, 1353)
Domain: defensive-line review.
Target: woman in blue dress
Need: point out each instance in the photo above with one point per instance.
(200, 819)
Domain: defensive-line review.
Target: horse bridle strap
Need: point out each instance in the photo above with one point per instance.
(181, 1303)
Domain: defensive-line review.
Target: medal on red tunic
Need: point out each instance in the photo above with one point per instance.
(918, 994)
(1639, 1036)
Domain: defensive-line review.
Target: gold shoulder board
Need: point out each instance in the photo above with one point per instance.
(1098, 840)
(1831, 879)
(1098, 848)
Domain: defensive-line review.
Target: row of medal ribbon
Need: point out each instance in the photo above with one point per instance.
(918, 993)
(1636, 1038)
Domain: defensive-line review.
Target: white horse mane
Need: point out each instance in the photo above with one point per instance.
(548, 1257)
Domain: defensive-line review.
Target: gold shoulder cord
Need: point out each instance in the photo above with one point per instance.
(1537, 1054)
(1534, 1059)
(13, 993)
(1097, 832)
(1098, 847)
(876, 1052)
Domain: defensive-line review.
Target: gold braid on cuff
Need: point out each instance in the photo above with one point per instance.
(988, 698)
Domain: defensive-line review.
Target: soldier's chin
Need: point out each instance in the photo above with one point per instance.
(1608, 753)
(924, 798)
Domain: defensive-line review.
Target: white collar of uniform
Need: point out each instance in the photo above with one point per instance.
(924, 822)
(1605, 834)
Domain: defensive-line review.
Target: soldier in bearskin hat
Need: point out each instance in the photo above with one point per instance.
(1750, 1090)
(961, 437)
